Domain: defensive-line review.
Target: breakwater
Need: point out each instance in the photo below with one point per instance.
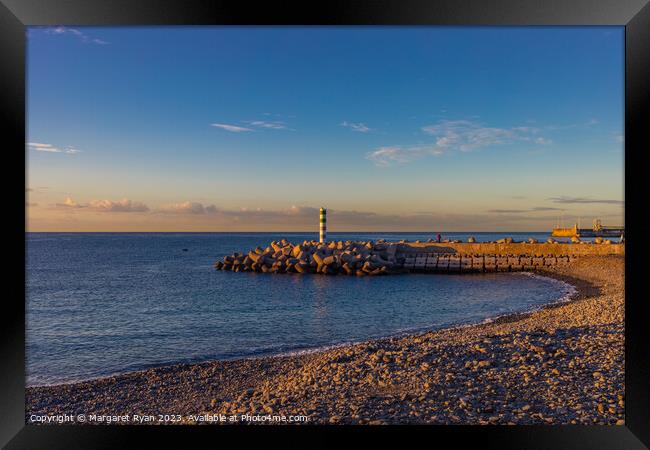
(516, 248)
(368, 258)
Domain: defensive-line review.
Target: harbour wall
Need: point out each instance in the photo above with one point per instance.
(539, 249)
(382, 258)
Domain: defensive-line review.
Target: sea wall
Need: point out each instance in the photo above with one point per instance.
(520, 248)
(383, 258)
(454, 262)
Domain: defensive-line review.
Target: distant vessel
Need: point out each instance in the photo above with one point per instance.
(597, 230)
(565, 232)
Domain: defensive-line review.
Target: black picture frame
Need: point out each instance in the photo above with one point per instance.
(15, 15)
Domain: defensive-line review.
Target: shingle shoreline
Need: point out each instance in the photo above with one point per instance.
(558, 365)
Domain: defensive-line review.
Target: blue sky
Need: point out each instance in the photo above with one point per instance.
(222, 128)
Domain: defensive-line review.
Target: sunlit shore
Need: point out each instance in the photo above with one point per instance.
(562, 364)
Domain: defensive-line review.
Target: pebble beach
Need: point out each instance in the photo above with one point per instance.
(562, 364)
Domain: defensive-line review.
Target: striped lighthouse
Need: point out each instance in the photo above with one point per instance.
(323, 225)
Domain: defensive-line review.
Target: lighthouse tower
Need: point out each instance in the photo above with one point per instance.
(323, 225)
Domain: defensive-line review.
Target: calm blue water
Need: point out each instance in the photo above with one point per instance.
(106, 303)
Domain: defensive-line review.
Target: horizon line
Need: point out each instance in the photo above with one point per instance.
(296, 232)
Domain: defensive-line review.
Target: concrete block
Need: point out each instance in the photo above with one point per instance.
(538, 261)
(526, 261)
(513, 260)
(550, 261)
(502, 264)
(432, 263)
(490, 264)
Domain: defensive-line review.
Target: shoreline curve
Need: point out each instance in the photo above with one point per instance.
(561, 351)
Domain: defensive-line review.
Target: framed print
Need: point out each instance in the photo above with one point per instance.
(376, 214)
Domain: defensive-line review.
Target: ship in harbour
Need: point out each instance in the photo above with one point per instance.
(597, 230)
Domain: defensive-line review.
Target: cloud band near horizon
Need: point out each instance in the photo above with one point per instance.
(92, 216)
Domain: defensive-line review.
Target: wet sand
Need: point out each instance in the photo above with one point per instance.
(563, 364)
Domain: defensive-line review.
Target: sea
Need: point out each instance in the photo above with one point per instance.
(101, 304)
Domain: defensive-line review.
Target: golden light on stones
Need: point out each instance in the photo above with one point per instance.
(363, 258)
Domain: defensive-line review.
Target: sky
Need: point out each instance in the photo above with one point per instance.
(389, 128)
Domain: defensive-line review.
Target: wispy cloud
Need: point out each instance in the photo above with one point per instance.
(507, 211)
(197, 209)
(252, 125)
(269, 114)
(546, 208)
(584, 200)
(386, 156)
(519, 211)
(49, 148)
(457, 136)
(231, 128)
(360, 127)
(187, 208)
(69, 203)
(124, 205)
(43, 147)
(272, 125)
(466, 135)
(83, 37)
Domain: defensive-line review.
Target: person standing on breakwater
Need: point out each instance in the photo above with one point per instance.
(438, 238)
